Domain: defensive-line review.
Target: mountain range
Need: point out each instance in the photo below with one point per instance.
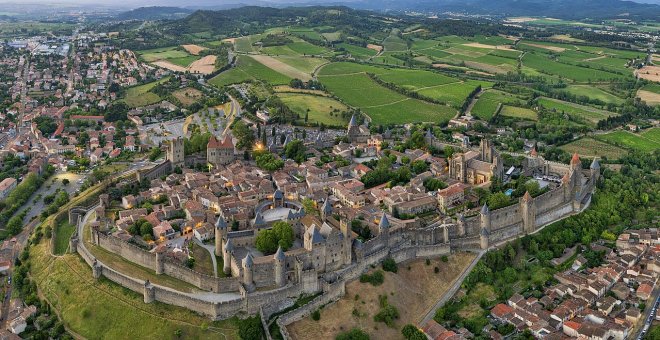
(563, 9)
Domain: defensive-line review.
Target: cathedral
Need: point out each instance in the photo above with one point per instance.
(477, 167)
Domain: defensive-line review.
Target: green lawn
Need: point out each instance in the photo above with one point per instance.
(323, 110)
(104, 310)
(647, 142)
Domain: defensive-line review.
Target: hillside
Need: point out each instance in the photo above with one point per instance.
(154, 13)
(564, 9)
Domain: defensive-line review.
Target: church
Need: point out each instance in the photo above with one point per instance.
(357, 133)
(477, 167)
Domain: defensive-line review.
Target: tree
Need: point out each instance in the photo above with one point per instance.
(250, 329)
(268, 161)
(410, 332)
(65, 181)
(244, 135)
(280, 235)
(296, 150)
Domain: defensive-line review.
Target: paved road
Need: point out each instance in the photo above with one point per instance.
(649, 315)
(454, 288)
(211, 249)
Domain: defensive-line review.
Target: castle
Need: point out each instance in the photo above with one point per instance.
(477, 167)
(327, 253)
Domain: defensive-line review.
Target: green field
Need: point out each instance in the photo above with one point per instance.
(350, 83)
(415, 80)
(546, 65)
(322, 110)
(581, 113)
(63, 232)
(593, 93)
(647, 141)
(87, 305)
(165, 53)
(518, 112)
(304, 64)
(453, 94)
(184, 61)
(138, 96)
(357, 52)
(590, 147)
(249, 69)
(486, 106)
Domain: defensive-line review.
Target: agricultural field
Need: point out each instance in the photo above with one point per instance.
(171, 54)
(589, 147)
(544, 64)
(383, 105)
(593, 93)
(357, 52)
(486, 106)
(650, 94)
(247, 68)
(518, 112)
(647, 141)
(138, 96)
(307, 65)
(322, 110)
(581, 113)
(455, 93)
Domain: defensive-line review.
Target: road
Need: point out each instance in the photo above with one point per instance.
(36, 203)
(454, 288)
(649, 315)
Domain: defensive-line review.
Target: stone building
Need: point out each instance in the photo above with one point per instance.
(357, 133)
(220, 152)
(477, 167)
(175, 152)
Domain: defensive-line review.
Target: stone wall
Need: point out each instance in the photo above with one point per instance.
(147, 259)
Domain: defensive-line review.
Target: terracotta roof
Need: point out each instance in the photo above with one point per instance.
(214, 143)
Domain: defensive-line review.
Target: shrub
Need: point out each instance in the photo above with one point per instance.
(316, 315)
(444, 258)
(353, 334)
(436, 270)
(389, 265)
(250, 329)
(387, 313)
(376, 279)
(428, 262)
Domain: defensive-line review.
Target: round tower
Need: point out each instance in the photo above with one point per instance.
(226, 257)
(280, 267)
(248, 262)
(220, 233)
(461, 225)
(485, 217)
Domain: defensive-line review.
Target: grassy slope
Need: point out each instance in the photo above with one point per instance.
(104, 310)
(319, 108)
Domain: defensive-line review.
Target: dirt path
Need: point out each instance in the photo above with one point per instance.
(281, 67)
